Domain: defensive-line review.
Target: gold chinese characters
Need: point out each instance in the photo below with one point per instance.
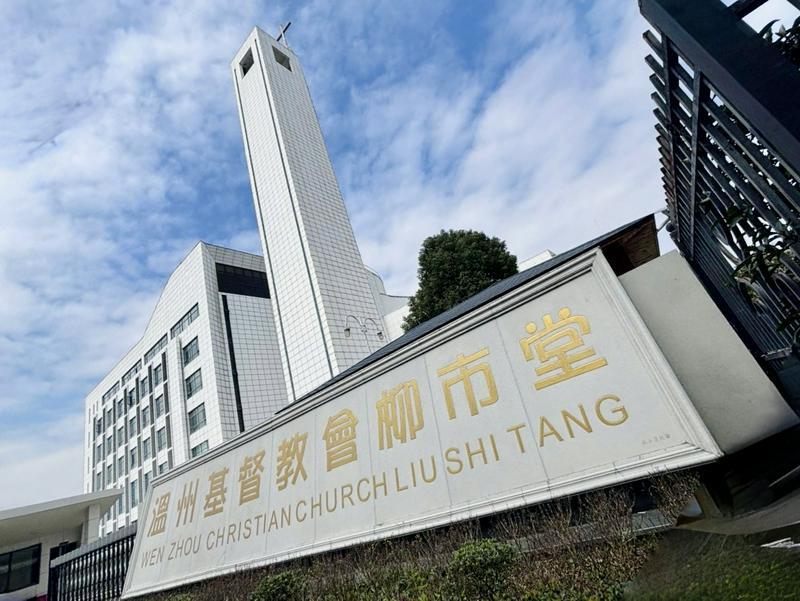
(187, 502)
(290, 460)
(340, 439)
(159, 521)
(399, 414)
(556, 347)
(250, 477)
(464, 375)
(215, 499)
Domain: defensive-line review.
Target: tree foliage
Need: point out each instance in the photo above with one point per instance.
(482, 569)
(787, 41)
(454, 265)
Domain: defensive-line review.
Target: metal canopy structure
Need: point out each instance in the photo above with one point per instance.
(728, 127)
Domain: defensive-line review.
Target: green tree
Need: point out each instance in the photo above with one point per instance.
(453, 266)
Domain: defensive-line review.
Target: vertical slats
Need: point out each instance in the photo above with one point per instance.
(730, 165)
(96, 574)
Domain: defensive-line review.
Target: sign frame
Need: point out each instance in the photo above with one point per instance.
(700, 447)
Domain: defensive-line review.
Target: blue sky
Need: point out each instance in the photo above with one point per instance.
(120, 147)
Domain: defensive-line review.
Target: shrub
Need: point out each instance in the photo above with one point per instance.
(481, 570)
(285, 586)
(583, 548)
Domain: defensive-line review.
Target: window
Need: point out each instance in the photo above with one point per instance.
(197, 418)
(184, 321)
(132, 372)
(130, 395)
(149, 355)
(109, 474)
(111, 392)
(246, 62)
(146, 446)
(242, 281)
(162, 467)
(134, 494)
(120, 407)
(132, 457)
(98, 427)
(147, 476)
(281, 59)
(158, 375)
(120, 436)
(20, 568)
(159, 403)
(63, 549)
(120, 466)
(109, 445)
(200, 449)
(145, 417)
(109, 418)
(133, 428)
(190, 351)
(193, 384)
(144, 386)
(161, 439)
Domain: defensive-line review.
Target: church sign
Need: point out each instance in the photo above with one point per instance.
(553, 388)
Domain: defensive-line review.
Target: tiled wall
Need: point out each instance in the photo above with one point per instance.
(316, 271)
(258, 359)
(193, 282)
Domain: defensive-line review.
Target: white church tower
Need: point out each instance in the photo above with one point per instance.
(326, 314)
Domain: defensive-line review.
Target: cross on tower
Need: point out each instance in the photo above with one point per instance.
(282, 33)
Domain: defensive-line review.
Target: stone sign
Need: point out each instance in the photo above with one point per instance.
(553, 388)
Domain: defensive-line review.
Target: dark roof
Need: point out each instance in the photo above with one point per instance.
(625, 248)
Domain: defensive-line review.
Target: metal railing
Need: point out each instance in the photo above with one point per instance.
(94, 572)
(728, 129)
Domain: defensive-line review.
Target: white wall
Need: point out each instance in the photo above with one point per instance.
(313, 264)
(192, 282)
(736, 400)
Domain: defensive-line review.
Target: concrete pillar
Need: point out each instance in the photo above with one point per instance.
(91, 525)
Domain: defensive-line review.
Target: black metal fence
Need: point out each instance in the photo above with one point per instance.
(94, 572)
(728, 112)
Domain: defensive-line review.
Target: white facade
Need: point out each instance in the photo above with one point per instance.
(174, 394)
(322, 297)
(393, 308)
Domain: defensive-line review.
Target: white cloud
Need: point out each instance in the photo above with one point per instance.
(114, 124)
(45, 466)
(529, 120)
(550, 146)
(247, 240)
